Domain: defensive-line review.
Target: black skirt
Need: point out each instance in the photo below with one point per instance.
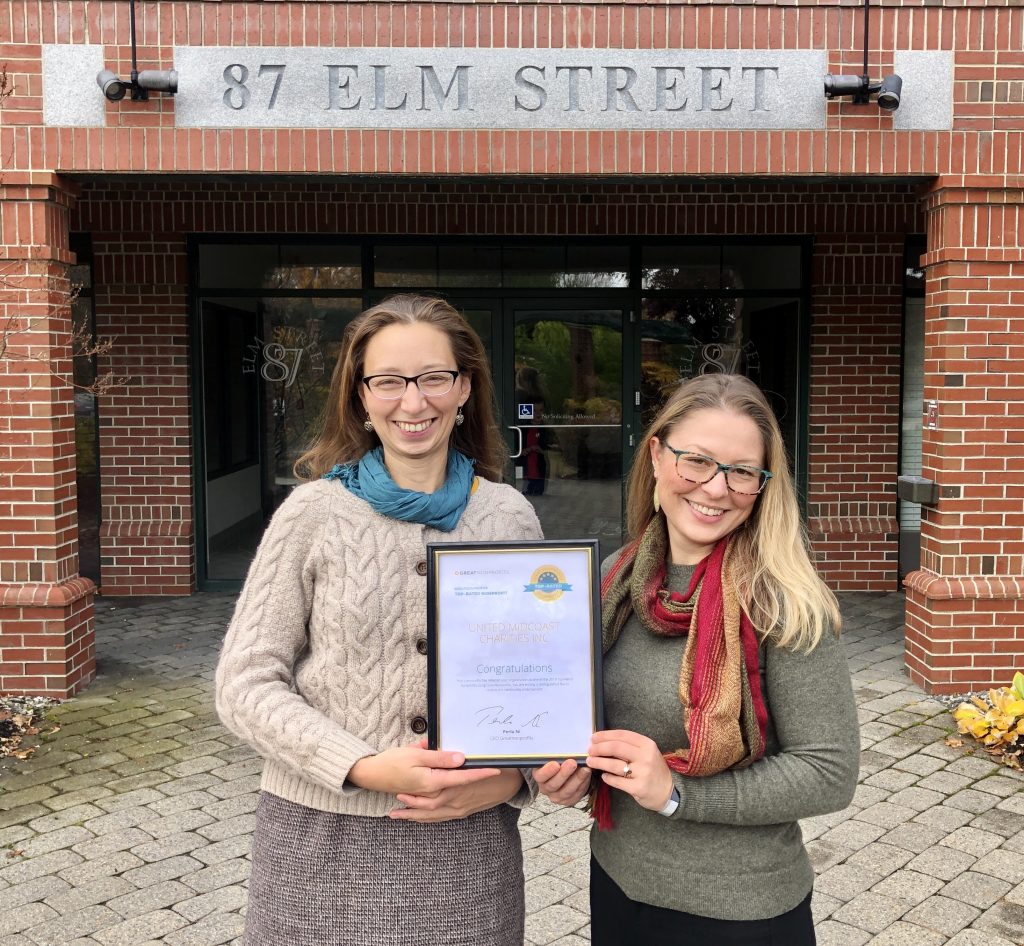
(615, 919)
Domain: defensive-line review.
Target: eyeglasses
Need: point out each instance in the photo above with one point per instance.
(390, 387)
(697, 468)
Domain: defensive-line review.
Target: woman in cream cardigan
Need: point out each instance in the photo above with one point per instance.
(363, 835)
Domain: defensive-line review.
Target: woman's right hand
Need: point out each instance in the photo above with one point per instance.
(414, 770)
(564, 784)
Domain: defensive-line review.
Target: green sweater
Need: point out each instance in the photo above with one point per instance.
(733, 848)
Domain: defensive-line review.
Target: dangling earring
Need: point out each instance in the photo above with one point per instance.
(367, 424)
(459, 418)
(657, 502)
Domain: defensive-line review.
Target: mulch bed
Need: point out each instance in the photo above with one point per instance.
(22, 719)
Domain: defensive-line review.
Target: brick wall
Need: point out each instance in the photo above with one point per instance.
(45, 609)
(965, 607)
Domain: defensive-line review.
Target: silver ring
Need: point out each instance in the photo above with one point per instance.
(627, 771)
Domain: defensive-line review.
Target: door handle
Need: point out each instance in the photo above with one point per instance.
(519, 441)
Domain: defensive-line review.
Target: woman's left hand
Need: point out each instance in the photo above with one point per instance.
(460, 801)
(615, 752)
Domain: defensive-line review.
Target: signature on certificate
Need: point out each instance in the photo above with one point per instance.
(497, 716)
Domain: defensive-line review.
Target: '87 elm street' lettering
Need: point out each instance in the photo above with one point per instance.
(531, 88)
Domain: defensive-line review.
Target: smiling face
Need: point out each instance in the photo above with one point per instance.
(414, 430)
(699, 515)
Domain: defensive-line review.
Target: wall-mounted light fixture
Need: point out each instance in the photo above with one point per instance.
(887, 92)
(141, 83)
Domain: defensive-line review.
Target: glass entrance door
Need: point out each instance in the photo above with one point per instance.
(569, 436)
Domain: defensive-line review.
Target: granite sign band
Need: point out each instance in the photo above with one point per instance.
(509, 88)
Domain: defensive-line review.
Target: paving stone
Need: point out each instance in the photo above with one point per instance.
(58, 930)
(942, 862)
(871, 911)
(150, 926)
(210, 931)
(55, 840)
(222, 900)
(970, 800)
(1014, 803)
(31, 891)
(99, 891)
(907, 934)
(917, 798)
(999, 821)
(79, 796)
(1003, 786)
(972, 841)
(886, 815)
(908, 885)
(170, 846)
(853, 835)
(974, 767)
(238, 846)
(105, 866)
(40, 866)
(891, 779)
(107, 844)
(949, 819)
(978, 938)
(919, 765)
(544, 891)
(239, 786)
(943, 915)
(1006, 865)
(881, 858)
(553, 922)
(149, 899)
(845, 881)
(230, 807)
(1004, 919)
(173, 868)
(62, 819)
(24, 917)
(222, 830)
(220, 875)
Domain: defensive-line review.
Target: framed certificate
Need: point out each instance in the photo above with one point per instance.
(513, 650)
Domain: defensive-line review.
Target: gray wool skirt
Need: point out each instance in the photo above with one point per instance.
(323, 879)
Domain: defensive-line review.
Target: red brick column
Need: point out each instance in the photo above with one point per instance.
(965, 607)
(46, 609)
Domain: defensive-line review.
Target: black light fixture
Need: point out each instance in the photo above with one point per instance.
(141, 83)
(861, 88)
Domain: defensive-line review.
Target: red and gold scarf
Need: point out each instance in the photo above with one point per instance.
(724, 713)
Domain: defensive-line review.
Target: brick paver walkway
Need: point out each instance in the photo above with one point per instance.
(131, 826)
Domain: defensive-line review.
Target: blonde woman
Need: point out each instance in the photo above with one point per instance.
(727, 695)
(363, 835)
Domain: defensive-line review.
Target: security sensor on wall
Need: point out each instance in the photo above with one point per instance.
(861, 88)
(887, 92)
(141, 83)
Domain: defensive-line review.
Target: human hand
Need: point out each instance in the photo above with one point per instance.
(565, 783)
(649, 780)
(415, 769)
(461, 800)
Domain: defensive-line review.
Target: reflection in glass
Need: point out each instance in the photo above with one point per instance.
(469, 266)
(575, 266)
(267, 366)
(405, 266)
(684, 336)
(568, 395)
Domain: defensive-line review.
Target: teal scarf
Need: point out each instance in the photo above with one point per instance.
(369, 480)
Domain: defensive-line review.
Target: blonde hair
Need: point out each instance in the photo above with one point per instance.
(780, 589)
(342, 437)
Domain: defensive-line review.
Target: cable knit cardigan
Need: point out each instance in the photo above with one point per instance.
(322, 662)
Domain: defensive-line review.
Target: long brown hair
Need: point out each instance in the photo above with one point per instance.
(780, 588)
(342, 437)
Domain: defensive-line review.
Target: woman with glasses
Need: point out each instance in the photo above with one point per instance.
(363, 835)
(728, 701)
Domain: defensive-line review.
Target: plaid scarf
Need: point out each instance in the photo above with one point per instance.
(724, 714)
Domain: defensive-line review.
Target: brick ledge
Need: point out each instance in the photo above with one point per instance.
(937, 588)
(60, 595)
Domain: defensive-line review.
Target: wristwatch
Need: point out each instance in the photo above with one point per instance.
(671, 805)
